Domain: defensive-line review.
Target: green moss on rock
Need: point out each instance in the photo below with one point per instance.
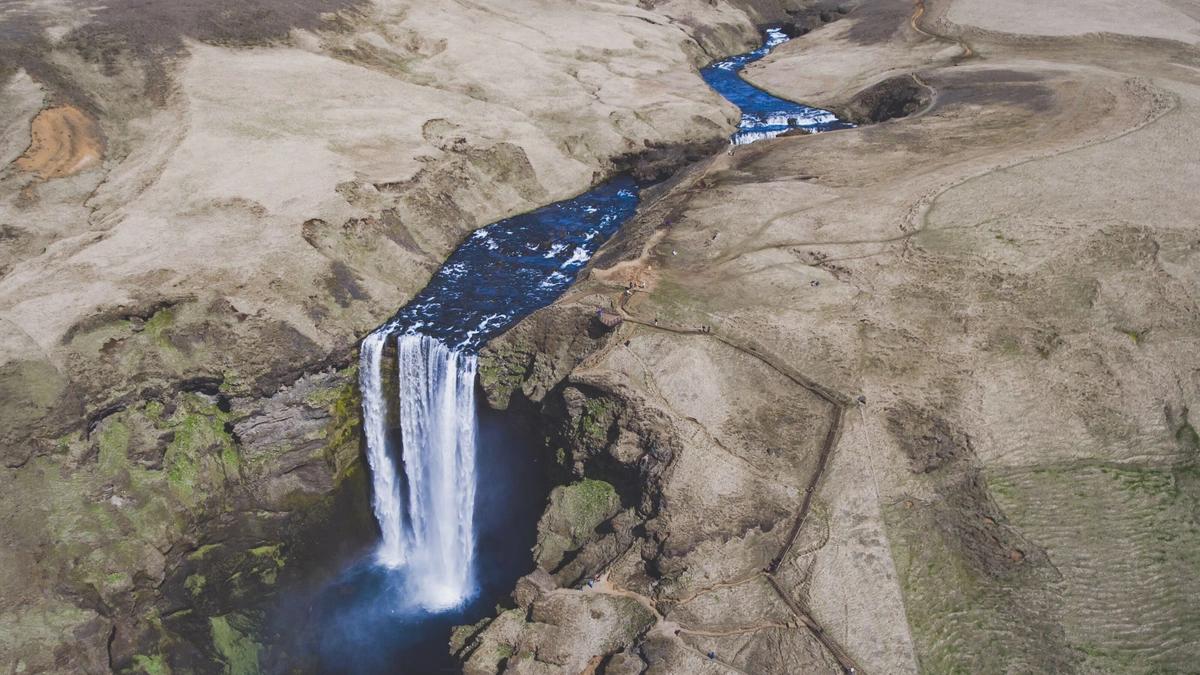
(201, 552)
(267, 561)
(595, 419)
(151, 665)
(574, 513)
(344, 405)
(588, 503)
(195, 584)
(233, 384)
(201, 450)
(237, 651)
(114, 445)
(157, 325)
(500, 374)
(485, 646)
(461, 636)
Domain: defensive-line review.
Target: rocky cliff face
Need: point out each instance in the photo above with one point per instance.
(909, 397)
(203, 207)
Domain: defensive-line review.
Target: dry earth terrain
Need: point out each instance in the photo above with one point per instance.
(203, 206)
(908, 397)
(912, 397)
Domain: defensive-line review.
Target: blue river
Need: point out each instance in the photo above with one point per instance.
(512, 267)
(499, 275)
(764, 115)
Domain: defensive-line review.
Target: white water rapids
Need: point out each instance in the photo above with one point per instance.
(426, 517)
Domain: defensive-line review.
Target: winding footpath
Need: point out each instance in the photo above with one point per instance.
(838, 404)
(1156, 102)
(915, 22)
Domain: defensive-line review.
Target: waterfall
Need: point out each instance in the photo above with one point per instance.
(430, 535)
(437, 420)
(424, 480)
(384, 482)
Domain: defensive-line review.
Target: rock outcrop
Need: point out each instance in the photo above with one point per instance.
(908, 397)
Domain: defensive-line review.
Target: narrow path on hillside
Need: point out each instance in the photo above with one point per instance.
(915, 22)
(838, 403)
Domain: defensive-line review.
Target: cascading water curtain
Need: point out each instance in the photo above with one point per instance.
(384, 483)
(437, 419)
(431, 535)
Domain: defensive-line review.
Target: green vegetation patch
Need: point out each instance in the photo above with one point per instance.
(572, 517)
(237, 651)
(502, 370)
(157, 325)
(344, 404)
(586, 504)
(233, 384)
(114, 445)
(201, 450)
(1118, 535)
(195, 584)
(1135, 336)
(962, 620)
(595, 419)
(267, 561)
(202, 552)
(151, 665)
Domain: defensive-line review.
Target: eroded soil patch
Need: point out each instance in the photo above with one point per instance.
(65, 141)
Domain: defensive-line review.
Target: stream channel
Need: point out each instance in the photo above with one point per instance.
(457, 489)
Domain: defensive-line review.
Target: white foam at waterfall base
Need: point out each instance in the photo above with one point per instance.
(429, 537)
